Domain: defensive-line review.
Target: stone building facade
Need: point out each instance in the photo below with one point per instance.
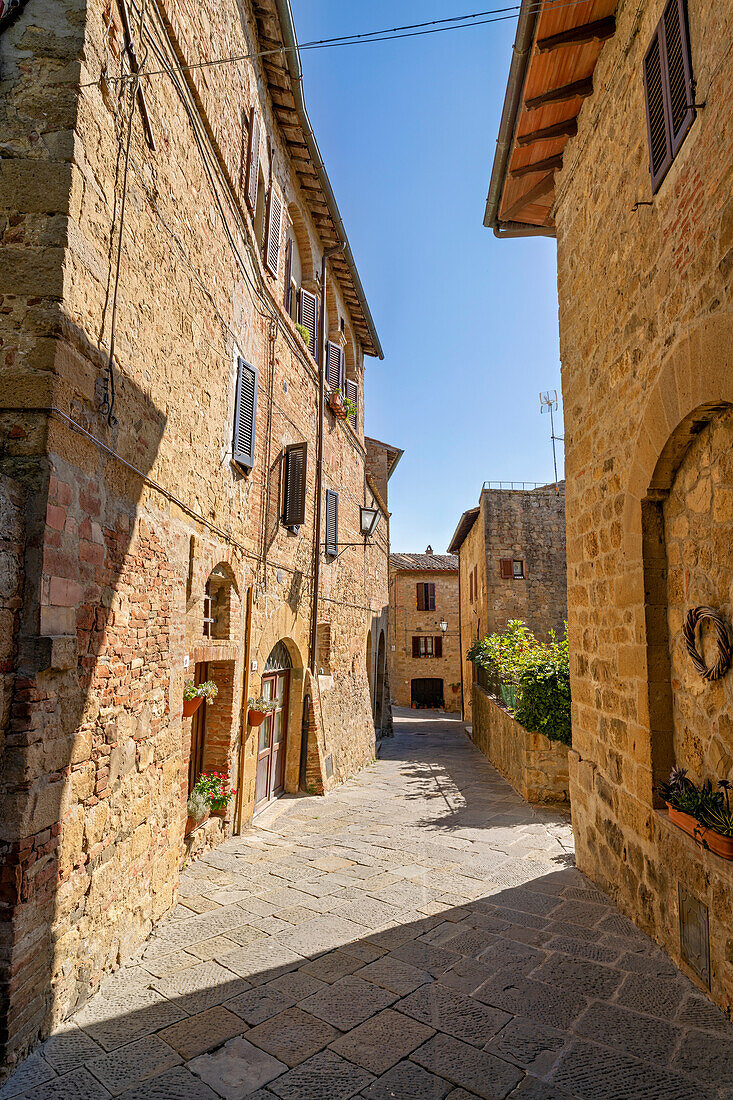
(424, 657)
(165, 443)
(511, 553)
(640, 202)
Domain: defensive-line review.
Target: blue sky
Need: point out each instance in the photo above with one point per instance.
(468, 323)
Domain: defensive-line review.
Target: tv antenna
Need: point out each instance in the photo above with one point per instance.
(548, 403)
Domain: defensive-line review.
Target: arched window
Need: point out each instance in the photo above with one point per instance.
(279, 659)
(217, 615)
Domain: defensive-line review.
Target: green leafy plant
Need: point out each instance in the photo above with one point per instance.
(197, 806)
(700, 802)
(214, 788)
(305, 333)
(258, 702)
(207, 690)
(349, 405)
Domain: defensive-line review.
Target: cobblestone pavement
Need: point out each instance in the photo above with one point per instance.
(419, 934)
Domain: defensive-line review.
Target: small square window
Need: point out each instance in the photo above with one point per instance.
(518, 569)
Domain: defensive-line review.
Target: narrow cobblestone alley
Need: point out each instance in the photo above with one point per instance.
(420, 933)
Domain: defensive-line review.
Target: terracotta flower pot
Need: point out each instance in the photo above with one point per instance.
(192, 823)
(190, 706)
(336, 405)
(686, 822)
(716, 842)
(256, 717)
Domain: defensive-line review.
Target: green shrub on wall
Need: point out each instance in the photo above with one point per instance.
(540, 672)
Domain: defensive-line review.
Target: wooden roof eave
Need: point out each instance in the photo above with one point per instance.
(555, 52)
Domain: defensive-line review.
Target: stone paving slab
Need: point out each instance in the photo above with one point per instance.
(419, 933)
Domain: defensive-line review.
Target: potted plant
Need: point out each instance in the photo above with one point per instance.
(702, 812)
(215, 788)
(197, 809)
(259, 708)
(337, 404)
(194, 695)
(305, 333)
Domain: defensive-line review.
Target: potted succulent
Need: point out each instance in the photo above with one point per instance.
(197, 809)
(215, 788)
(702, 812)
(194, 695)
(259, 708)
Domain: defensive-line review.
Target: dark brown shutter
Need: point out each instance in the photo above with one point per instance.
(287, 296)
(470, 586)
(430, 601)
(352, 392)
(308, 316)
(679, 72)
(438, 645)
(506, 568)
(253, 161)
(660, 146)
(421, 597)
(334, 360)
(272, 236)
(245, 414)
(415, 647)
(296, 458)
(332, 522)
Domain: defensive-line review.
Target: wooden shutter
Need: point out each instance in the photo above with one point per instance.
(660, 146)
(438, 645)
(272, 236)
(296, 460)
(253, 161)
(415, 647)
(506, 568)
(308, 316)
(470, 586)
(421, 597)
(245, 414)
(332, 522)
(352, 392)
(287, 296)
(430, 601)
(334, 365)
(678, 71)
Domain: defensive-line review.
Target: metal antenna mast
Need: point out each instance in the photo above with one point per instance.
(548, 403)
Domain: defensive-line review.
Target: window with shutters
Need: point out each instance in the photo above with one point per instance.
(669, 89)
(294, 474)
(252, 178)
(245, 415)
(426, 597)
(425, 645)
(273, 232)
(334, 366)
(308, 316)
(518, 569)
(351, 390)
(506, 568)
(332, 523)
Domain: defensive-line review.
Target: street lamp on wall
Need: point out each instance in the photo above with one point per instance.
(369, 518)
(443, 625)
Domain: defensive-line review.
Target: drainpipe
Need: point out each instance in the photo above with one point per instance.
(328, 252)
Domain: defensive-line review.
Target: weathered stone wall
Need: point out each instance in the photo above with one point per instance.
(112, 535)
(406, 622)
(536, 767)
(646, 328)
(472, 557)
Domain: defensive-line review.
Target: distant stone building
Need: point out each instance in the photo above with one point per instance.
(511, 550)
(424, 651)
(617, 138)
(183, 491)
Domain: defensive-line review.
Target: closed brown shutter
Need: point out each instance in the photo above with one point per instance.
(253, 161)
(679, 72)
(438, 646)
(308, 316)
(660, 146)
(295, 460)
(430, 601)
(245, 411)
(288, 272)
(334, 365)
(332, 522)
(506, 567)
(415, 647)
(421, 597)
(272, 236)
(352, 392)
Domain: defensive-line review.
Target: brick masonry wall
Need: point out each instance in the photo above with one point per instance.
(103, 573)
(535, 766)
(646, 328)
(406, 622)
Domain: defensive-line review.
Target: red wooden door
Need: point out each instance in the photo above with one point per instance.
(273, 735)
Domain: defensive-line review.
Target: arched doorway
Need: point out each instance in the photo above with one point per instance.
(369, 670)
(381, 672)
(273, 733)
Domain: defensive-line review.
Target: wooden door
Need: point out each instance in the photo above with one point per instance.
(198, 730)
(272, 741)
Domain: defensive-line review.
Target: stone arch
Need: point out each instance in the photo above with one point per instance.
(221, 603)
(279, 630)
(299, 233)
(693, 388)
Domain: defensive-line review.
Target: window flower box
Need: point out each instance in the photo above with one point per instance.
(337, 404)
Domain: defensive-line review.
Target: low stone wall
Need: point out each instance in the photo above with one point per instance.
(535, 766)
